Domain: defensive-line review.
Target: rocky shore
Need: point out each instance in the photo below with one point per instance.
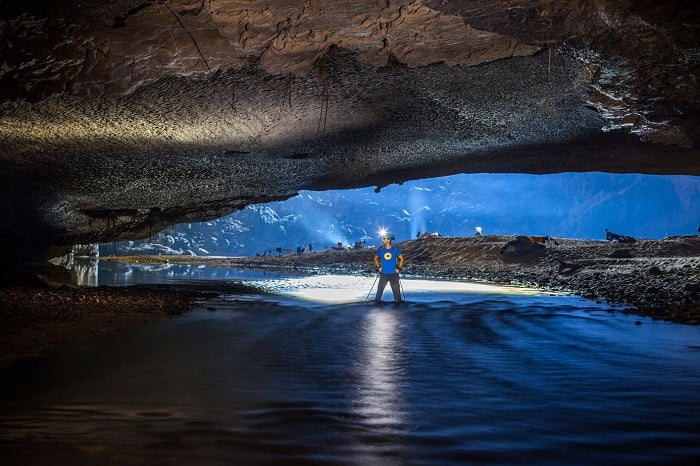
(655, 278)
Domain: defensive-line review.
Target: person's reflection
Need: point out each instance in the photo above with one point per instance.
(380, 392)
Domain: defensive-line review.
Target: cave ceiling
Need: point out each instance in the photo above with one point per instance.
(118, 118)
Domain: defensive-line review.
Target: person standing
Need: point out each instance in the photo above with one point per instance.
(389, 262)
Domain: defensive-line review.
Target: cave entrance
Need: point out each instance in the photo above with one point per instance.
(570, 205)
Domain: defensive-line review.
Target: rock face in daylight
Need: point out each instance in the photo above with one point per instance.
(121, 117)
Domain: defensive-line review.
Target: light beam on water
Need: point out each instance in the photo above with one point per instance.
(348, 289)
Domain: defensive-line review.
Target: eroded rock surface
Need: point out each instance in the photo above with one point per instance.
(122, 117)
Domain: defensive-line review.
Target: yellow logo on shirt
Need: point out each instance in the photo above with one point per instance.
(387, 256)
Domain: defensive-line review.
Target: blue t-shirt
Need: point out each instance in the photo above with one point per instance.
(388, 258)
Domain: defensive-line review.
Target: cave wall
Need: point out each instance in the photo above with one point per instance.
(119, 118)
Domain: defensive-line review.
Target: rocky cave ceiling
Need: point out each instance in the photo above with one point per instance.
(118, 118)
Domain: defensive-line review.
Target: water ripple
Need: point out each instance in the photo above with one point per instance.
(453, 377)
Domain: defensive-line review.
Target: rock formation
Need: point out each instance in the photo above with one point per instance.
(121, 117)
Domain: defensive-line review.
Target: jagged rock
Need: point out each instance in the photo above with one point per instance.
(567, 268)
(621, 254)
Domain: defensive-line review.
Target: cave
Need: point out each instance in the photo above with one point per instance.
(120, 118)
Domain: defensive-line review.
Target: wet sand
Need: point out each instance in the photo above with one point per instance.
(655, 278)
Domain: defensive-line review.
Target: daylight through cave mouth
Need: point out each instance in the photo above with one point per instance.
(568, 205)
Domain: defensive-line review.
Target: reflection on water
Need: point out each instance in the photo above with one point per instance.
(379, 393)
(82, 271)
(459, 375)
(123, 274)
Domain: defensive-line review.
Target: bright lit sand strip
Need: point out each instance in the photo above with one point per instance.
(348, 288)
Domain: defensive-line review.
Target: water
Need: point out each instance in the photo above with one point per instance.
(313, 374)
(94, 272)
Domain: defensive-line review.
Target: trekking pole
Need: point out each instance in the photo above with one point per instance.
(402, 291)
(370, 290)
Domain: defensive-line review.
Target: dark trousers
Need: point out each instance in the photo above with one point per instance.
(393, 279)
